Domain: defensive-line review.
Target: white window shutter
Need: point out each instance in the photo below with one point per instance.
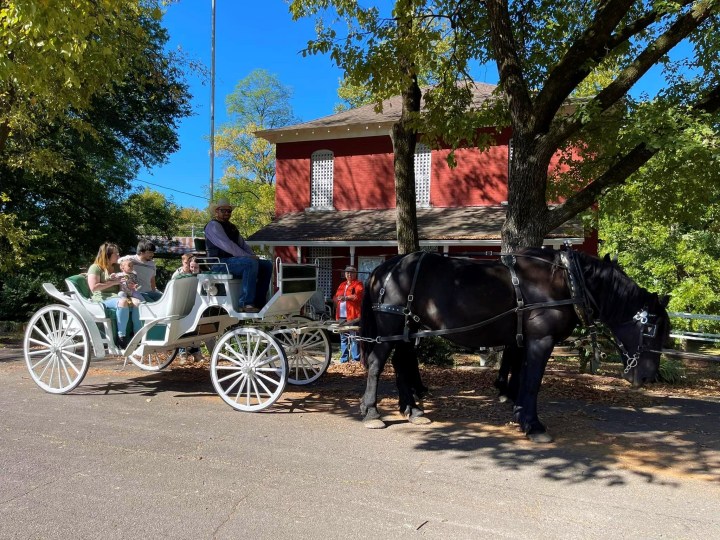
(422, 175)
(321, 184)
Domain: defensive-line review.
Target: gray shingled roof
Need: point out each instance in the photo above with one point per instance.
(366, 114)
(479, 223)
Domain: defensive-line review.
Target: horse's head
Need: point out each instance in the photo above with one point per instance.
(641, 340)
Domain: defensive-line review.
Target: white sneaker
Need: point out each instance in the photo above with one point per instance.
(183, 359)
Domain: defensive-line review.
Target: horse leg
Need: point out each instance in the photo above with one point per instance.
(368, 404)
(525, 411)
(407, 379)
(508, 377)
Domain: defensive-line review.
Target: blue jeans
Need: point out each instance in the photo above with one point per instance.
(255, 275)
(354, 348)
(123, 315)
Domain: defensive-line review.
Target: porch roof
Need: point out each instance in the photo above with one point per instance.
(478, 225)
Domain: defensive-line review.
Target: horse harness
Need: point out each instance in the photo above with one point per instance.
(585, 306)
(509, 260)
(587, 313)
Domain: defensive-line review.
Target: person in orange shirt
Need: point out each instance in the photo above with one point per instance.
(348, 299)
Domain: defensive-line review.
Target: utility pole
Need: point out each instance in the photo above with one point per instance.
(212, 105)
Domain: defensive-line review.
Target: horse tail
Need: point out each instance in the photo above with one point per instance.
(368, 324)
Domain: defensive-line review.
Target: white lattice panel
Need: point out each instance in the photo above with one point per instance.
(322, 255)
(321, 188)
(422, 176)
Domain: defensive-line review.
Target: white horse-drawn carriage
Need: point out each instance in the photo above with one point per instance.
(254, 356)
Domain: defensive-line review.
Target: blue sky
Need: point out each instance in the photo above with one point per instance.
(248, 35)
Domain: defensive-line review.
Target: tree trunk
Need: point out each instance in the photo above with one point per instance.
(404, 138)
(526, 221)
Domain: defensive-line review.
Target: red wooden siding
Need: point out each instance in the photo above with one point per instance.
(363, 176)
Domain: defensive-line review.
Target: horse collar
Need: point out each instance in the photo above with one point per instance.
(399, 310)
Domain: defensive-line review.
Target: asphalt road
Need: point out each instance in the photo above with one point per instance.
(136, 455)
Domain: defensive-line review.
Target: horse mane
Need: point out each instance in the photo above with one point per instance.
(611, 282)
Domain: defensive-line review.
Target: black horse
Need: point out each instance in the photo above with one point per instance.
(527, 302)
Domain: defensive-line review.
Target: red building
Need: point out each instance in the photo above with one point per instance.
(335, 193)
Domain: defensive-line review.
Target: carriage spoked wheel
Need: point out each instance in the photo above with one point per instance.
(249, 369)
(155, 360)
(308, 349)
(57, 349)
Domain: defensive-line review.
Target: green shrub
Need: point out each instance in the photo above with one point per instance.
(22, 294)
(671, 371)
(436, 351)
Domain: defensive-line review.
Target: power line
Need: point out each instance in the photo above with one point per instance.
(171, 189)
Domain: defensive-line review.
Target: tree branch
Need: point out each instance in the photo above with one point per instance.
(509, 66)
(618, 173)
(610, 95)
(575, 65)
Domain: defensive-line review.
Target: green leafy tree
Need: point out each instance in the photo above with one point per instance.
(58, 56)
(13, 241)
(386, 57)
(254, 204)
(664, 225)
(192, 221)
(154, 214)
(544, 52)
(351, 96)
(69, 209)
(259, 101)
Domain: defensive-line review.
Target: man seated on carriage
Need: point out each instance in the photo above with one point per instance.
(223, 241)
(145, 268)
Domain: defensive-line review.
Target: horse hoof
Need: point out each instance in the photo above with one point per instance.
(540, 437)
(419, 420)
(503, 399)
(375, 423)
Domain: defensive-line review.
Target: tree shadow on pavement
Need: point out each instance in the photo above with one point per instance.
(608, 434)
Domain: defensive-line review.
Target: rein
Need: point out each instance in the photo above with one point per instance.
(585, 305)
(427, 333)
(509, 260)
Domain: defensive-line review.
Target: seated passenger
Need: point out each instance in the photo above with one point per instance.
(145, 269)
(188, 266)
(105, 289)
(129, 286)
(223, 240)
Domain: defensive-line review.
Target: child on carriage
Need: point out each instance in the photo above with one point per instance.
(129, 286)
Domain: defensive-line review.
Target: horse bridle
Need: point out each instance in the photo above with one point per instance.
(648, 330)
(588, 311)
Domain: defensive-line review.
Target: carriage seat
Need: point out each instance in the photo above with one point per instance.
(177, 301)
(79, 286)
(104, 316)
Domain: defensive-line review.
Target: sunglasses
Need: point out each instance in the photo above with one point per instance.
(225, 210)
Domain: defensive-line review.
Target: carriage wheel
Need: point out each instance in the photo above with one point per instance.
(57, 349)
(153, 361)
(308, 351)
(249, 369)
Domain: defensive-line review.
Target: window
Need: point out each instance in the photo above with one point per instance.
(366, 265)
(321, 182)
(422, 175)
